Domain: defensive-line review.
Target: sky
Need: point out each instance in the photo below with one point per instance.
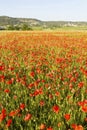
(46, 10)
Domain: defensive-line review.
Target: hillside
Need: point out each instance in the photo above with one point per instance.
(6, 21)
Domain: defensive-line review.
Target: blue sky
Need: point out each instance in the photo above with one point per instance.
(73, 10)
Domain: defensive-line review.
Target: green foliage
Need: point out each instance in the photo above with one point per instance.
(10, 27)
(25, 27)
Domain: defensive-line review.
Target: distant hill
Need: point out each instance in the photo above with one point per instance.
(6, 21)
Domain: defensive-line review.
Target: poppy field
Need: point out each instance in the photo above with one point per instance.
(43, 80)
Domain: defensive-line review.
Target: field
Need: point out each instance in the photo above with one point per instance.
(43, 80)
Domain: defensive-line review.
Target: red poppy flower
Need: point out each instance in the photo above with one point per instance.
(1, 68)
(13, 113)
(67, 116)
(9, 122)
(2, 115)
(27, 117)
(42, 126)
(59, 124)
(42, 103)
(49, 128)
(79, 127)
(9, 82)
(32, 74)
(80, 85)
(22, 106)
(73, 126)
(85, 119)
(55, 108)
(6, 90)
(84, 108)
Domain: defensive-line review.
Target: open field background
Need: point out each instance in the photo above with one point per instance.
(43, 80)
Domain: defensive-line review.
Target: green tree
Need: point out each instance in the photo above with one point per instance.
(25, 27)
(10, 27)
(16, 27)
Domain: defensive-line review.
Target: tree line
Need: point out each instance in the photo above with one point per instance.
(16, 27)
